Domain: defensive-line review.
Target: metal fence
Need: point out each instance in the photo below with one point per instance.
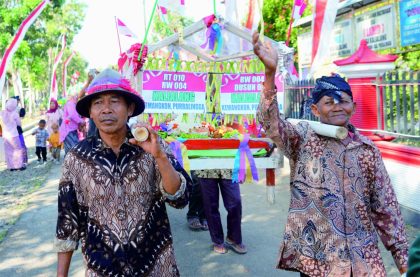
(295, 95)
(398, 105)
(401, 102)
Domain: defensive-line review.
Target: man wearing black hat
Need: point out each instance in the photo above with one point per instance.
(113, 190)
(341, 194)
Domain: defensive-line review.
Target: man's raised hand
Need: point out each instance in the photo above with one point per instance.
(266, 53)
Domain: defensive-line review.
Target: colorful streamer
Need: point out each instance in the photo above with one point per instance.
(244, 162)
(180, 152)
(214, 38)
(20, 34)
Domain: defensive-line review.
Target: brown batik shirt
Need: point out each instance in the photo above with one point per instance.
(115, 206)
(341, 198)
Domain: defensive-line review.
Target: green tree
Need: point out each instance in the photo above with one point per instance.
(32, 60)
(277, 15)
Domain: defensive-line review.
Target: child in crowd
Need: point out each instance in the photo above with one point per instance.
(56, 145)
(41, 136)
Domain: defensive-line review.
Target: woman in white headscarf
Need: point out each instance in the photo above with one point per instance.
(14, 152)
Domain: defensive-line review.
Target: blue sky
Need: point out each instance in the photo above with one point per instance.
(97, 41)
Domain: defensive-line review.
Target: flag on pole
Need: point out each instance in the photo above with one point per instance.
(124, 30)
(65, 72)
(325, 12)
(298, 9)
(54, 87)
(20, 34)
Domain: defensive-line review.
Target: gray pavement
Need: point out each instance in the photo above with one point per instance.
(27, 249)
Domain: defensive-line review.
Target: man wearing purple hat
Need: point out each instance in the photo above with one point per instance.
(113, 190)
(341, 194)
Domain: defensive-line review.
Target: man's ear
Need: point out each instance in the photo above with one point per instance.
(315, 111)
(131, 108)
(354, 108)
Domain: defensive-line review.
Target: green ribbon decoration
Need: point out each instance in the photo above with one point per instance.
(147, 30)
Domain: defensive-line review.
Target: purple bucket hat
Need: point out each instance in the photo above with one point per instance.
(110, 81)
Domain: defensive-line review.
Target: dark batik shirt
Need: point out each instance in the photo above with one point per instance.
(341, 198)
(115, 207)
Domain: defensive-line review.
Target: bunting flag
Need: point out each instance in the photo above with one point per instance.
(298, 9)
(54, 87)
(325, 12)
(20, 34)
(124, 30)
(65, 72)
(173, 5)
(163, 14)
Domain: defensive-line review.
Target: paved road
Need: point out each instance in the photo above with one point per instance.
(27, 250)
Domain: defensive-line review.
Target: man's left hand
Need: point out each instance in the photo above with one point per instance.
(151, 145)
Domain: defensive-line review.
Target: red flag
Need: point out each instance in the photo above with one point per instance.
(124, 30)
(298, 9)
(54, 88)
(65, 72)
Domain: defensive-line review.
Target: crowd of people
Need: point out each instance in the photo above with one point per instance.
(113, 189)
(60, 127)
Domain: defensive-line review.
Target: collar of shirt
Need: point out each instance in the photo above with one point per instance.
(100, 145)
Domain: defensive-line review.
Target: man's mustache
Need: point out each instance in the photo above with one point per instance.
(107, 118)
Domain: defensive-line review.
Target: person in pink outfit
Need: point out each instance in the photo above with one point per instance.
(54, 115)
(14, 152)
(72, 122)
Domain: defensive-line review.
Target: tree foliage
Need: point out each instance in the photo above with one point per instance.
(277, 15)
(163, 29)
(33, 58)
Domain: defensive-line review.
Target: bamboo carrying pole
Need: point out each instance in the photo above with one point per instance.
(324, 129)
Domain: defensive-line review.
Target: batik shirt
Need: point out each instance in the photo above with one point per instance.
(115, 206)
(341, 197)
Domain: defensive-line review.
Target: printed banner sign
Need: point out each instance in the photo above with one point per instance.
(342, 39)
(240, 93)
(174, 92)
(377, 28)
(409, 22)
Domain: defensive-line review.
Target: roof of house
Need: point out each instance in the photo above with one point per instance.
(365, 55)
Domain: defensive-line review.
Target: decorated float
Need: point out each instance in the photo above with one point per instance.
(202, 87)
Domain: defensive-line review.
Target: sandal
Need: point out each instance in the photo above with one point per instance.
(194, 224)
(238, 248)
(204, 225)
(219, 249)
